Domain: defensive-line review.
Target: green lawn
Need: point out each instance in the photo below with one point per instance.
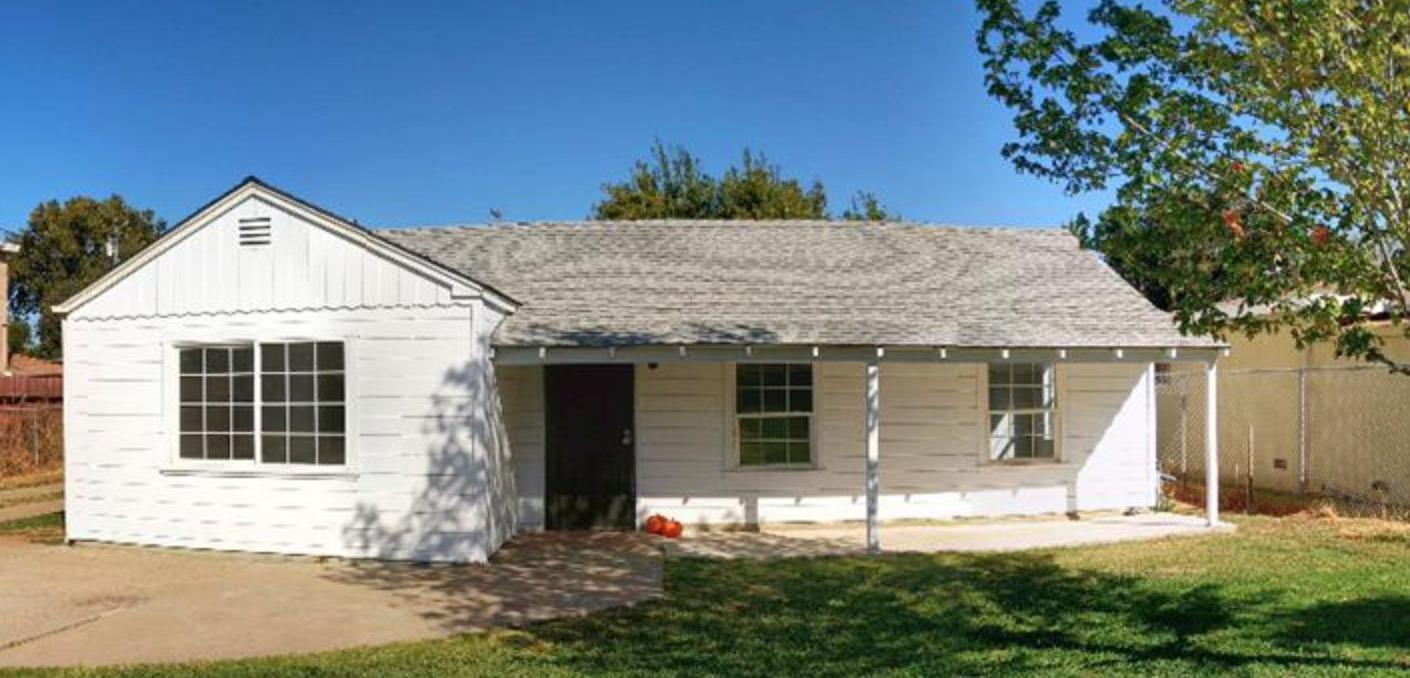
(1281, 595)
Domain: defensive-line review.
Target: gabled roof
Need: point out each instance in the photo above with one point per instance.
(460, 283)
(797, 282)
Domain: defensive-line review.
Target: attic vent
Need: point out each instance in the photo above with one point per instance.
(254, 231)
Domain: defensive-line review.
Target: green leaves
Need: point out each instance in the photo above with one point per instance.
(673, 186)
(1259, 151)
(64, 248)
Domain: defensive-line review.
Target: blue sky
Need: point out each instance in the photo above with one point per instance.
(427, 113)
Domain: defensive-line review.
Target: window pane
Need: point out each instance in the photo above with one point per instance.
(998, 374)
(748, 375)
(798, 428)
(1000, 425)
(191, 360)
(242, 360)
(302, 450)
(1000, 448)
(800, 375)
(775, 375)
(1023, 447)
(272, 388)
(775, 453)
(191, 419)
(217, 417)
(272, 419)
(242, 447)
(217, 360)
(330, 388)
(775, 400)
(750, 401)
(1027, 373)
(273, 449)
(1023, 424)
(1027, 397)
(191, 389)
(191, 447)
(218, 446)
(798, 452)
(301, 418)
(750, 429)
(330, 356)
(330, 449)
(1044, 448)
(243, 388)
(242, 418)
(800, 400)
(775, 428)
(272, 357)
(301, 357)
(751, 453)
(330, 419)
(218, 389)
(998, 397)
(301, 388)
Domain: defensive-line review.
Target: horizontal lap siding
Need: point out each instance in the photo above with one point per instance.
(419, 430)
(932, 443)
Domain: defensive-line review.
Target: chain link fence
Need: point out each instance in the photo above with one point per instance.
(1341, 433)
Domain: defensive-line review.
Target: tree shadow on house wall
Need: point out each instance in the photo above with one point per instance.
(459, 507)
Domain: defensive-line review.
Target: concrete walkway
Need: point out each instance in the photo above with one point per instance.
(960, 536)
(97, 605)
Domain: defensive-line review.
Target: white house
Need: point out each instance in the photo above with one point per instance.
(271, 377)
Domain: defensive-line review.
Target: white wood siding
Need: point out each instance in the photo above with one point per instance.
(933, 439)
(304, 267)
(427, 476)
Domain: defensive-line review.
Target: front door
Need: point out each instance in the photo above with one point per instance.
(591, 465)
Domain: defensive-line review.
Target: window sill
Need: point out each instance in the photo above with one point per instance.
(1018, 463)
(759, 468)
(263, 472)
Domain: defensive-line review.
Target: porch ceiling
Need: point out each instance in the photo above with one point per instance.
(547, 355)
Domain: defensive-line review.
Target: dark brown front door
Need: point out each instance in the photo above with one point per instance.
(590, 450)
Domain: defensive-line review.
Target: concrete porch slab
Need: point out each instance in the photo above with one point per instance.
(794, 541)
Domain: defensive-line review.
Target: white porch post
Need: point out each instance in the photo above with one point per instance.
(873, 397)
(1211, 443)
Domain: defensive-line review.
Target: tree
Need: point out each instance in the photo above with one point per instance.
(673, 185)
(64, 248)
(867, 207)
(1257, 149)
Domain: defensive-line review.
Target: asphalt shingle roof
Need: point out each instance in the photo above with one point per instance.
(796, 282)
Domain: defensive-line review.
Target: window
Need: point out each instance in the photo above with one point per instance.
(300, 399)
(1022, 403)
(774, 410)
(217, 403)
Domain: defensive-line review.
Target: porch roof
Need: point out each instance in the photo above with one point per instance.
(594, 285)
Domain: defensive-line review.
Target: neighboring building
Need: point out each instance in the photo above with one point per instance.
(270, 377)
(7, 250)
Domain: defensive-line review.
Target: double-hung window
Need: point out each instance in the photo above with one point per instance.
(297, 389)
(1022, 411)
(774, 414)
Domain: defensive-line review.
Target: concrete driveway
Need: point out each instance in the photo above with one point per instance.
(95, 604)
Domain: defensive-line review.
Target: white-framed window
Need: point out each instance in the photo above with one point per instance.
(278, 403)
(774, 414)
(1022, 412)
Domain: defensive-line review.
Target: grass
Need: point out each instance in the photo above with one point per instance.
(1303, 595)
(45, 529)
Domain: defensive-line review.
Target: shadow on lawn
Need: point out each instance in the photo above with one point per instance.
(938, 614)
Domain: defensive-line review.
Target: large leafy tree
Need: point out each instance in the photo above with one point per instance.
(65, 247)
(1258, 152)
(673, 185)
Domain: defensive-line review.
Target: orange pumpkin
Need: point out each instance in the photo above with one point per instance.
(673, 529)
(655, 524)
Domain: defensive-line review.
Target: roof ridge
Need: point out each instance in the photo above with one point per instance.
(784, 223)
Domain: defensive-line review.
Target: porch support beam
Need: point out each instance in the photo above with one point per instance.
(1211, 444)
(873, 424)
(536, 355)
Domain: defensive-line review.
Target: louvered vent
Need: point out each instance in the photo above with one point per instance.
(254, 231)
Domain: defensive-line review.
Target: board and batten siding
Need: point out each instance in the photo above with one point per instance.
(426, 478)
(933, 438)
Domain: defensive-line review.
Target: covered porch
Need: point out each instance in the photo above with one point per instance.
(894, 433)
